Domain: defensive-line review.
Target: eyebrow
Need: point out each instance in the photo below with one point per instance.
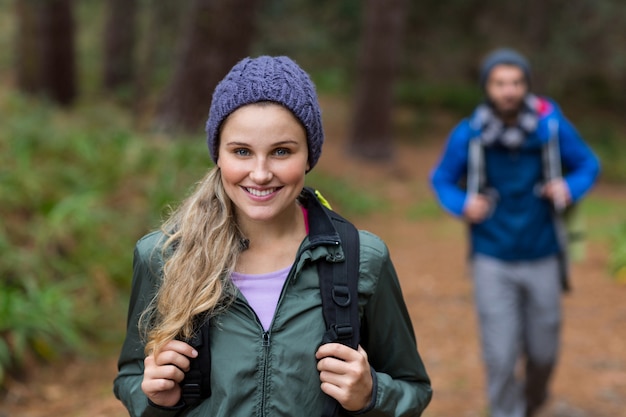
(280, 143)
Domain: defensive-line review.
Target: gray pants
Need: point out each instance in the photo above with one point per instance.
(519, 311)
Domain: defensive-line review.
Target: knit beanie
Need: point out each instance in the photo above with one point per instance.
(503, 56)
(275, 79)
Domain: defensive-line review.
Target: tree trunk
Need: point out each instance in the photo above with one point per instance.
(28, 47)
(157, 48)
(45, 49)
(218, 35)
(383, 27)
(119, 44)
(58, 55)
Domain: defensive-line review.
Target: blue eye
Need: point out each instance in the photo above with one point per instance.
(241, 152)
(282, 152)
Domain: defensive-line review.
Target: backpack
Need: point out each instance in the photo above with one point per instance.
(338, 288)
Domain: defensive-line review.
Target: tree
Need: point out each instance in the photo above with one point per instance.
(219, 33)
(45, 49)
(119, 44)
(156, 48)
(383, 27)
(28, 57)
(58, 54)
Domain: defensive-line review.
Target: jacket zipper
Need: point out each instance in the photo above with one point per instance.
(266, 335)
(266, 348)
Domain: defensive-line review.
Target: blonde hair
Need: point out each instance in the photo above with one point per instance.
(202, 244)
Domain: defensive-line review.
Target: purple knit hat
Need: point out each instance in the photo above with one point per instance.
(275, 79)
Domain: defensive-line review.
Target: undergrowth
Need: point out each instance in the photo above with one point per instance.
(77, 191)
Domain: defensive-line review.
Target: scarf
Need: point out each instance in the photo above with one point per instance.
(494, 131)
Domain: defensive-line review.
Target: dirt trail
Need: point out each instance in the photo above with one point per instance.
(428, 252)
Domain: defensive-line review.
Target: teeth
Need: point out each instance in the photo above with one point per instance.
(260, 193)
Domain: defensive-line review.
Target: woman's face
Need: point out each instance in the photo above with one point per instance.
(263, 157)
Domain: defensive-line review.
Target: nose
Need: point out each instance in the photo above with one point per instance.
(515, 86)
(511, 88)
(261, 172)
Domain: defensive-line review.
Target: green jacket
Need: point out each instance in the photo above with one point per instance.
(258, 373)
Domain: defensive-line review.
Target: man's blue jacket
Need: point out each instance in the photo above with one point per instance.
(521, 225)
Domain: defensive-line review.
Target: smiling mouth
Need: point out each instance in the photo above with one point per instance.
(261, 193)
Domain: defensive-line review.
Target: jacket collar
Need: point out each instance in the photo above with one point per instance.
(321, 228)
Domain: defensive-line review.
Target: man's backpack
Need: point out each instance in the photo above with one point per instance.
(567, 229)
(339, 292)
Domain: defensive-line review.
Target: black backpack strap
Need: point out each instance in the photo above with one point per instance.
(338, 287)
(196, 386)
(339, 292)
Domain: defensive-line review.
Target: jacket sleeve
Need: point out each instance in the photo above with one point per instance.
(581, 166)
(450, 169)
(127, 384)
(402, 385)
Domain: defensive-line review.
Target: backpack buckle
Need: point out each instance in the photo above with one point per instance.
(191, 393)
(341, 295)
(343, 331)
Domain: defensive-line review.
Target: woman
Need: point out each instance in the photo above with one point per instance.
(236, 257)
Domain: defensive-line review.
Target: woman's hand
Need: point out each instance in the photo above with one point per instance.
(345, 375)
(164, 371)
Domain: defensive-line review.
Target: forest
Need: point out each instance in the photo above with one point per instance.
(103, 105)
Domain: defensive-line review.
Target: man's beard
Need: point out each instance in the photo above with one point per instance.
(507, 127)
(509, 112)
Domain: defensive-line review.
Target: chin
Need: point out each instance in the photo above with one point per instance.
(510, 110)
(260, 215)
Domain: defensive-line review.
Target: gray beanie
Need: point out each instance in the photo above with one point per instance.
(275, 79)
(503, 56)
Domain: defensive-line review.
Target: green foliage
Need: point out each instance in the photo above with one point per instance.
(333, 80)
(344, 197)
(77, 191)
(603, 219)
(318, 34)
(607, 141)
(424, 209)
(459, 98)
(35, 320)
(618, 254)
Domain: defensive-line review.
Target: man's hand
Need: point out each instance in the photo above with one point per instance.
(477, 208)
(345, 375)
(558, 192)
(164, 371)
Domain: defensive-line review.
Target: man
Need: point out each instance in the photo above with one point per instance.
(509, 155)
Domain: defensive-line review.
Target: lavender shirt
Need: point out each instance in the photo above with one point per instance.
(262, 292)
